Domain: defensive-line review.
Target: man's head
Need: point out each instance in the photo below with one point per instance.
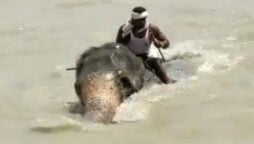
(138, 17)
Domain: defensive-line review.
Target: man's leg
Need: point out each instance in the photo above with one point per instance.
(159, 71)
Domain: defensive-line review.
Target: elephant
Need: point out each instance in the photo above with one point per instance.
(105, 76)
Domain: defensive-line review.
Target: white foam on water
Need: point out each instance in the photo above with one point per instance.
(137, 107)
(64, 123)
(219, 63)
(213, 61)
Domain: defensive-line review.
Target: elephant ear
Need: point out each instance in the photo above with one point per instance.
(141, 64)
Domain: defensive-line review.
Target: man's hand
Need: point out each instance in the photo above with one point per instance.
(159, 44)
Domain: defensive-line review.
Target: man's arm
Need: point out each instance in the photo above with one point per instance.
(159, 39)
(120, 39)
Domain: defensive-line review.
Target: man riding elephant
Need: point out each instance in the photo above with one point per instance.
(138, 35)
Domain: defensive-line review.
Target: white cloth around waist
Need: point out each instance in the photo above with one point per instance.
(153, 52)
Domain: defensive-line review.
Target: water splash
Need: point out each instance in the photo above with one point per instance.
(63, 123)
(216, 62)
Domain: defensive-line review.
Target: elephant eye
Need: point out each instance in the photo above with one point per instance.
(126, 82)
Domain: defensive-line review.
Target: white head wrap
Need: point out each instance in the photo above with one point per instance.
(142, 15)
(127, 28)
